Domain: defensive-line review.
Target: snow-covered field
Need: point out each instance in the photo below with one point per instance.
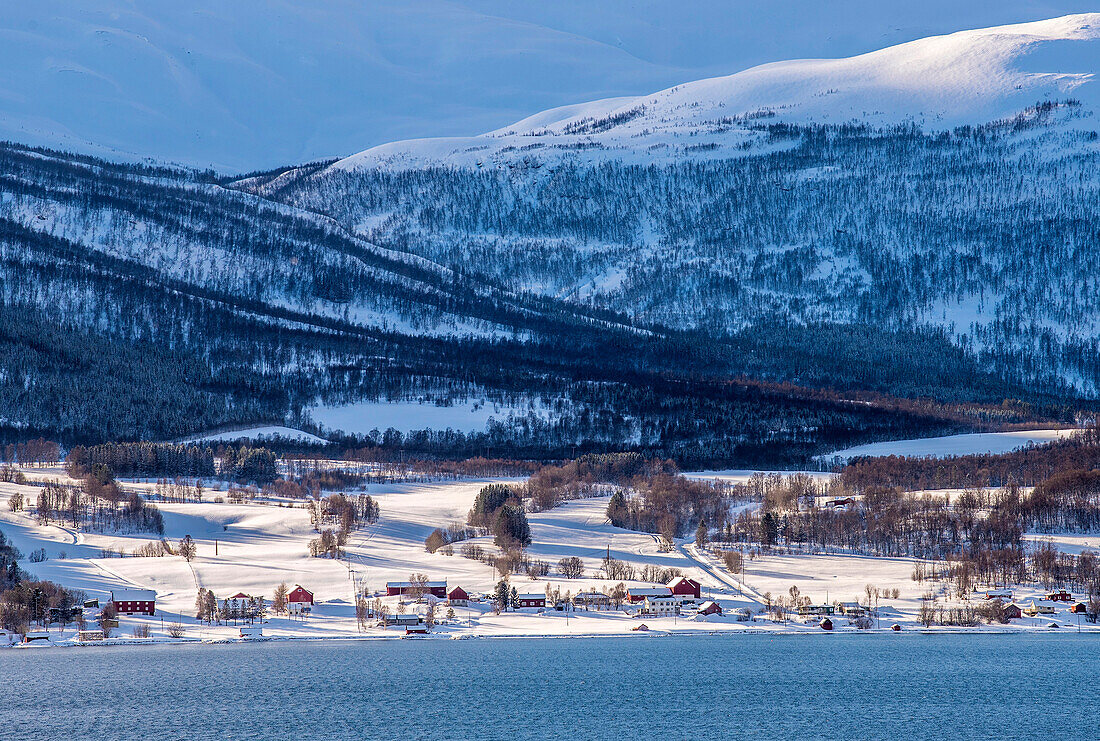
(939, 447)
(469, 416)
(252, 547)
(258, 434)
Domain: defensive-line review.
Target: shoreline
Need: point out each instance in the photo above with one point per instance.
(640, 635)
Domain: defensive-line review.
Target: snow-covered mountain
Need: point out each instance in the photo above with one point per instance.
(965, 78)
(947, 183)
(251, 84)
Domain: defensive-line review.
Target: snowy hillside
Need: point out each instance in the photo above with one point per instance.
(965, 78)
(923, 187)
(252, 84)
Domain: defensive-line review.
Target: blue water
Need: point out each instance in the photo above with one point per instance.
(843, 687)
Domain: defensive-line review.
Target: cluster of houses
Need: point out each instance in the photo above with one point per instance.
(680, 595)
(1013, 611)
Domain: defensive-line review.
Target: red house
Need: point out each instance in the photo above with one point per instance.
(299, 599)
(681, 586)
(130, 601)
(1060, 596)
(530, 600)
(406, 588)
(710, 608)
(1013, 611)
(458, 597)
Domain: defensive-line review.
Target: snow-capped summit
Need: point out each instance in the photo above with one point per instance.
(968, 77)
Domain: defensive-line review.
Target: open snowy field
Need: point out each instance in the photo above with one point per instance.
(939, 447)
(252, 547)
(259, 435)
(405, 416)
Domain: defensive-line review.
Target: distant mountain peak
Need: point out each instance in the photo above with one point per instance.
(940, 82)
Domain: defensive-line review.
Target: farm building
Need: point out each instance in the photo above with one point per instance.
(826, 624)
(1079, 608)
(589, 600)
(458, 597)
(844, 502)
(1037, 609)
(1013, 611)
(299, 600)
(641, 594)
(662, 606)
(413, 589)
(853, 609)
(131, 601)
(238, 602)
(1001, 594)
(1060, 596)
(816, 610)
(403, 621)
(685, 588)
(530, 600)
(710, 608)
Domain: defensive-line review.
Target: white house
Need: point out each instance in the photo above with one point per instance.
(662, 606)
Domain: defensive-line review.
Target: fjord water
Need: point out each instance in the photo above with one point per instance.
(750, 686)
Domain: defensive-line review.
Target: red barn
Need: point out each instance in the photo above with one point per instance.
(681, 586)
(458, 597)
(299, 599)
(530, 600)
(710, 608)
(130, 601)
(1013, 611)
(407, 588)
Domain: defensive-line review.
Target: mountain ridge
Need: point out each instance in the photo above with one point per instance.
(968, 77)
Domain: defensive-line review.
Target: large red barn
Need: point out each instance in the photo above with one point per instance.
(130, 601)
(299, 600)
(407, 588)
(681, 586)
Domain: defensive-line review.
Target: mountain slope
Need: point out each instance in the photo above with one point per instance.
(938, 83)
(946, 184)
(252, 84)
(142, 303)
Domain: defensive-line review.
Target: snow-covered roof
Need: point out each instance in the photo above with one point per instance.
(708, 604)
(240, 595)
(535, 595)
(410, 585)
(133, 595)
(650, 592)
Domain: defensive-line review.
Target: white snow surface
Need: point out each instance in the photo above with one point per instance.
(964, 78)
(970, 444)
(258, 434)
(405, 416)
(251, 84)
(252, 547)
